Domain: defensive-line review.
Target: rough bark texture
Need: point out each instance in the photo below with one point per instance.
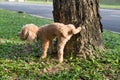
(81, 13)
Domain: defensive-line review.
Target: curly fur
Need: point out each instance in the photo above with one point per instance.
(28, 32)
(56, 30)
(47, 33)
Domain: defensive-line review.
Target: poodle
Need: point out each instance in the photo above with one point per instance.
(62, 32)
(47, 33)
(28, 32)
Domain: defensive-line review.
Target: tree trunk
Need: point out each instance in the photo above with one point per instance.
(85, 14)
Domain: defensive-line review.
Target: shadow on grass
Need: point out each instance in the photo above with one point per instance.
(22, 57)
(23, 51)
(13, 50)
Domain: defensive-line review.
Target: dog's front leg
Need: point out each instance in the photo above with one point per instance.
(45, 45)
(51, 47)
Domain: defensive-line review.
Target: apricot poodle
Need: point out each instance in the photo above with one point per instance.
(48, 32)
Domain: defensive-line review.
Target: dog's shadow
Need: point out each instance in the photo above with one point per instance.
(21, 51)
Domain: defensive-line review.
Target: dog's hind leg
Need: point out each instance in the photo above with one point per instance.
(61, 44)
(76, 30)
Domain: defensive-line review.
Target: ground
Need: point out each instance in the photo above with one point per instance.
(20, 60)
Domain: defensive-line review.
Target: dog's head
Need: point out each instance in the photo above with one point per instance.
(28, 32)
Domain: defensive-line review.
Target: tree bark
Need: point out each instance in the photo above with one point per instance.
(85, 14)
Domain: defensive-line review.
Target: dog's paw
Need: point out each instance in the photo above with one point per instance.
(43, 56)
(60, 60)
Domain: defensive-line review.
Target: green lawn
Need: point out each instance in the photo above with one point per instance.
(38, 2)
(106, 6)
(20, 60)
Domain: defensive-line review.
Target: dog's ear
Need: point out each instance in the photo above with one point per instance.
(31, 36)
(24, 34)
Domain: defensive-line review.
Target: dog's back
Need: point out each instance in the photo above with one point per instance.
(51, 31)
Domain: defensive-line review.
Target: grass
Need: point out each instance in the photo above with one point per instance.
(39, 2)
(1, 0)
(20, 60)
(110, 4)
(107, 6)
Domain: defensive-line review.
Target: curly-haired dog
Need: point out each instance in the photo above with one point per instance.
(28, 32)
(56, 30)
(47, 33)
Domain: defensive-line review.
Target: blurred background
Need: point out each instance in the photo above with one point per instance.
(109, 2)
